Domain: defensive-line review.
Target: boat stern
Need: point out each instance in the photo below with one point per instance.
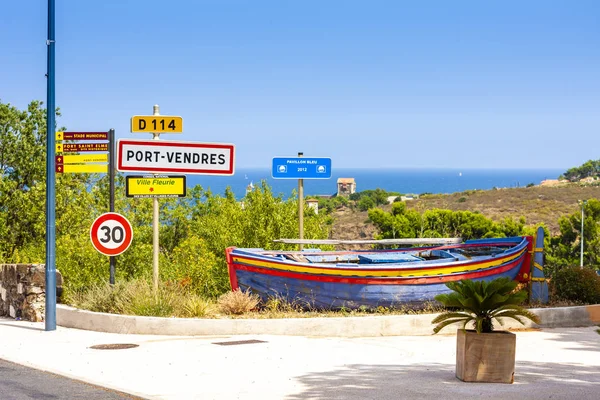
(539, 285)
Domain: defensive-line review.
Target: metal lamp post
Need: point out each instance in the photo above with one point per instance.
(582, 202)
(50, 273)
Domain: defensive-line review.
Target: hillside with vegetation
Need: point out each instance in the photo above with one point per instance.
(589, 169)
(536, 204)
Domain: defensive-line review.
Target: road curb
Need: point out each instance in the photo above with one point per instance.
(369, 326)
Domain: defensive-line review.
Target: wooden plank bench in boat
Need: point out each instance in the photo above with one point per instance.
(445, 241)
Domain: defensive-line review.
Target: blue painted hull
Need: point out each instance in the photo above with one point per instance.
(326, 295)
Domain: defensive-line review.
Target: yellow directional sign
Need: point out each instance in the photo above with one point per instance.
(156, 123)
(80, 147)
(148, 186)
(81, 135)
(82, 158)
(82, 168)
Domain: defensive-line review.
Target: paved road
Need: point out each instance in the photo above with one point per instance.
(22, 383)
(560, 363)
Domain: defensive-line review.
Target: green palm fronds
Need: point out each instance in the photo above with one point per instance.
(481, 303)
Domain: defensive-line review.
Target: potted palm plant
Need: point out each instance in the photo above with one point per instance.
(482, 354)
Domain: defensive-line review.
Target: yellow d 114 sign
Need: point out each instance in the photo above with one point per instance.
(151, 186)
(156, 123)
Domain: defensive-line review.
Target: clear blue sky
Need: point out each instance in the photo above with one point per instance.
(461, 84)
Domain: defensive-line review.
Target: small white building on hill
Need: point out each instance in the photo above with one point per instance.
(346, 186)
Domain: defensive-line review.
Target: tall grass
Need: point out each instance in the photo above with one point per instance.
(138, 297)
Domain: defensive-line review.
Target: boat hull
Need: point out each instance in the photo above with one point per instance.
(332, 287)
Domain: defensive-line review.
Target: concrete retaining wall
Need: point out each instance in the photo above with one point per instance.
(396, 325)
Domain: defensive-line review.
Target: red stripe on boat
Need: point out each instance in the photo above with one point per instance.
(383, 280)
(321, 266)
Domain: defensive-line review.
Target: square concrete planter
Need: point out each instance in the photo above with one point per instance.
(485, 357)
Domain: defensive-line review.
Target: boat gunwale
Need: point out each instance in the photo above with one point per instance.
(406, 266)
(362, 251)
(386, 280)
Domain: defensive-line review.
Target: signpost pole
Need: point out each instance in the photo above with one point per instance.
(111, 175)
(301, 206)
(50, 273)
(155, 220)
(301, 168)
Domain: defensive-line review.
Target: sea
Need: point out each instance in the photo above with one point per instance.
(404, 181)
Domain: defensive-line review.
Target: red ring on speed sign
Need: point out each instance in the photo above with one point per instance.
(111, 234)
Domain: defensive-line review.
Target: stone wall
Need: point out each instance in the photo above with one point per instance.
(22, 291)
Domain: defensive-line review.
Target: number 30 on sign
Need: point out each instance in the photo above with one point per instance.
(111, 234)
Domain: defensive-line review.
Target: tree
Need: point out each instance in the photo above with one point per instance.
(328, 205)
(366, 203)
(403, 223)
(22, 176)
(587, 169)
(565, 249)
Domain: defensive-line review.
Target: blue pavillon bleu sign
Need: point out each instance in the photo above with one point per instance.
(301, 168)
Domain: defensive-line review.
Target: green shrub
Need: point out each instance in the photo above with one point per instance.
(328, 205)
(101, 297)
(80, 264)
(193, 266)
(462, 199)
(194, 306)
(576, 284)
(138, 297)
(366, 203)
(149, 303)
(278, 304)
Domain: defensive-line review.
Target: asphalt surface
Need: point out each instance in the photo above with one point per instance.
(21, 383)
(560, 363)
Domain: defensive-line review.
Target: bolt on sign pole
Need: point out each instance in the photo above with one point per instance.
(111, 177)
(50, 273)
(301, 207)
(155, 220)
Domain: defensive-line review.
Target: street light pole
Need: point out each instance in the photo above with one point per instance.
(581, 240)
(50, 273)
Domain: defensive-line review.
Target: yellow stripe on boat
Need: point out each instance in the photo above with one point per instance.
(380, 269)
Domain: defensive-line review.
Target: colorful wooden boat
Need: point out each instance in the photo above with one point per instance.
(373, 278)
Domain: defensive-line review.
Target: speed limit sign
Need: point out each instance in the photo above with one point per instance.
(111, 234)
